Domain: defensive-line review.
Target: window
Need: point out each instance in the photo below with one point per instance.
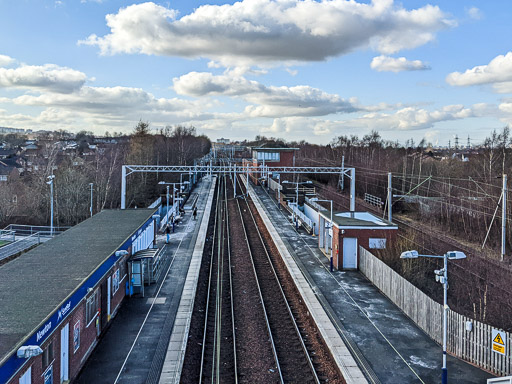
(377, 243)
(92, 307)
(115, 282)
(27, 377)
(47, 356)
(272, 156)
(76, 336)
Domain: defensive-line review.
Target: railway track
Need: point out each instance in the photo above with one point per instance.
(218, 355)
(249, 329)
(292, 355)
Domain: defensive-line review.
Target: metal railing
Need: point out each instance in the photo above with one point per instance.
(7, 235)
(156, 203)
(306, 221)
(23, 237)
(20, 245)
(28, 230)
(315, 205)
(374, 200)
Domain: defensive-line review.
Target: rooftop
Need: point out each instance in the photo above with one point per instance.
(270, 149)
(357, 219)
(35, 284)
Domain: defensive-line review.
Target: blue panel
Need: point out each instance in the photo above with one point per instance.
(14, 363)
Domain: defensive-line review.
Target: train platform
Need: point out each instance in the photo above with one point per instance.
(387, 346)
(134, 349)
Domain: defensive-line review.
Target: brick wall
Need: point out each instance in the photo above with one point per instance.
(363, 239)
(87, 337)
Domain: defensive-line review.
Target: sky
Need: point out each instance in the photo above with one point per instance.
(293, 69)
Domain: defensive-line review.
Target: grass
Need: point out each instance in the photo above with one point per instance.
(2, 243)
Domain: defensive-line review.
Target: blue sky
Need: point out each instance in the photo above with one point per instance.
(300, 70)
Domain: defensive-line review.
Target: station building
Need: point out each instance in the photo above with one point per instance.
(348, 231)
(57, 299)
(269, 157)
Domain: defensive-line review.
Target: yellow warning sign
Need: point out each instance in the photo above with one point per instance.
(498, 348)
(498, 340)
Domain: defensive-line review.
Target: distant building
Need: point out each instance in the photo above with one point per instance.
(9, 169)
(4, 130)
(264, 156)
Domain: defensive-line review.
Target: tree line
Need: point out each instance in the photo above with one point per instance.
(26, 199)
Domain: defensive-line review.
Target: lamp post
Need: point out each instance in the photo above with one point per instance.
(332, 237)
(167, 196)
(50, 183)
(173, 197)
(441, 277)
(297, 197)
(91, 185)
(279, 191)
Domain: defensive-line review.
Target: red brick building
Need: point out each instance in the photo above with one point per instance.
(269, 157)
(349, 231)
(62, 295)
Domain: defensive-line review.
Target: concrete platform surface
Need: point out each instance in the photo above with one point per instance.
(387, 345)
(134, 347)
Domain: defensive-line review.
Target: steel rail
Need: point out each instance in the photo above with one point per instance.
(274, 351)
(231, 290)
(205, 329)
(304, 348)
(218, 296)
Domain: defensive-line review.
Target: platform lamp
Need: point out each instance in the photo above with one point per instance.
(167, 195)
(441, 277)
(50, 183)
(28, 351)
(91, 185)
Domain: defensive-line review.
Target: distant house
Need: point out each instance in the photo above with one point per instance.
(6, 153)
(28, 147)
(9, 169)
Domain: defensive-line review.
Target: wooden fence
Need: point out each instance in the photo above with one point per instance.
(473, 346)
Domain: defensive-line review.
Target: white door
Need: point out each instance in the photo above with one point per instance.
(27, 377)
(64, 353)
(109, 287)
(349, 253)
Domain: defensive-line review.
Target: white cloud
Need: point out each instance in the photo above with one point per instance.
(48, 77)
(255, 32)
(498, 73)
(5, 60)
(301, 126)
(415, 118)
(474, 13)
(398, 64)
(292, 72)
(115, 101)
(206, 84)
(270, 101)
(506, 107)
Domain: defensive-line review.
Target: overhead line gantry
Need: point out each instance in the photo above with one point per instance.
(235, 168)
